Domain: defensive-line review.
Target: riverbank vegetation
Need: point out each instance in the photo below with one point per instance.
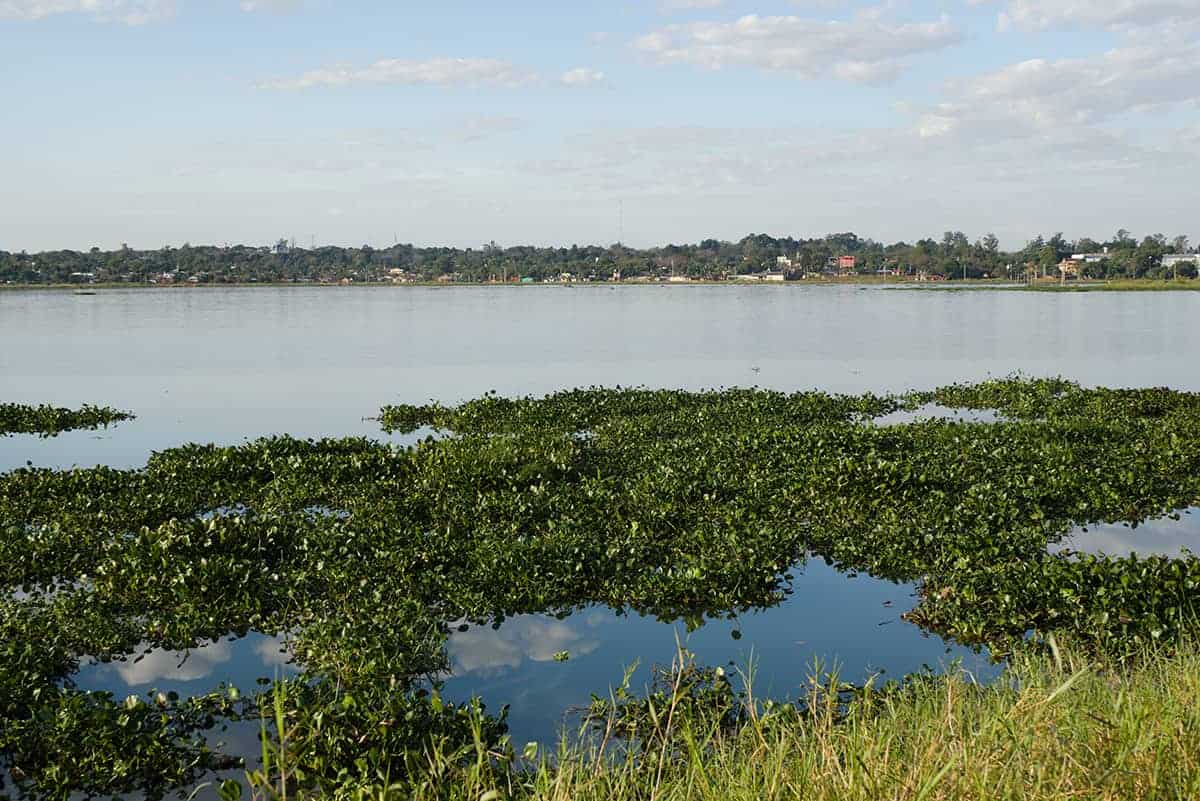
(1054, 726)
(50, 421)
(1052, 286)
(952, 256)
(362, 555)
(1119, 285)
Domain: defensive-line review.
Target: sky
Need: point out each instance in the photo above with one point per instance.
(155, 122)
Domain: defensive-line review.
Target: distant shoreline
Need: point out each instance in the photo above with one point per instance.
(970, 284)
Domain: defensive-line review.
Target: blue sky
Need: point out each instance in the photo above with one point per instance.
(162, 121)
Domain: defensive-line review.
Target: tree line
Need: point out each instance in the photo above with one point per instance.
(953, 256)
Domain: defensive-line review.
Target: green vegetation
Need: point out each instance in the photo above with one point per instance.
(1114, 285)
(50, 421)
(953, 256)
(1046, 730)
(1119, 285)
(682, 505)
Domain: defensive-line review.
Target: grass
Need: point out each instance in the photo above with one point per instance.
(1053, 727)
(1088, 285)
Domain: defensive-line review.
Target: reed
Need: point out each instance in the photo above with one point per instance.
(1054, 726)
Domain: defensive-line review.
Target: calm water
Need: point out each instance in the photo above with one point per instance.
(223, 365)
(1165, 536)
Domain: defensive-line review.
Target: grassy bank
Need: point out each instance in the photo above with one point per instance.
(1118, 285)
(1051, 728)
(1123, 285)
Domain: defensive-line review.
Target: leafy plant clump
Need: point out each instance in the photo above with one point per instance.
(50, 421)
(682, 505)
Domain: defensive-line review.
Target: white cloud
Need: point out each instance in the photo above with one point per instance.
(1035, 15)
(129, 12)
(581, 77)
(403, 72)
(863, 49)
(1040, 95)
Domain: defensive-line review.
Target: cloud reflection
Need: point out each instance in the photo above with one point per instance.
(529, 637)
(1161, 537)
(274, 652)
(257, 654)
(198, 663)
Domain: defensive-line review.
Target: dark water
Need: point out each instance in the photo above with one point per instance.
(224, 365)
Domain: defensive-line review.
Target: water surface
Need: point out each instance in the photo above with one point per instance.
(224, 365)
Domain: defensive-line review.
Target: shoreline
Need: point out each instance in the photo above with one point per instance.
(971, 284)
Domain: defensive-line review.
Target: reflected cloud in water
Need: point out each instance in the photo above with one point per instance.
(936, 411)
(239, 662)
(851, 624)
(198, 663)
(1159, 537)
(534, 638)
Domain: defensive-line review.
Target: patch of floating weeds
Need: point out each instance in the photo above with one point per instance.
(669, 503)
(50, 421)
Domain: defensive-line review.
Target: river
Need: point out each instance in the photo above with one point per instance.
(223, 365)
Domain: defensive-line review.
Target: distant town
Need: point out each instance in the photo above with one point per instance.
(754, 258)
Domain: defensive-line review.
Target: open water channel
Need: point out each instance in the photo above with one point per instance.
(225, 365)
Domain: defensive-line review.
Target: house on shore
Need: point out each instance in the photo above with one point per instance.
(1173, 261)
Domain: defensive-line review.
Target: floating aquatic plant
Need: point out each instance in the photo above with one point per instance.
(677, 504)
(50, 421)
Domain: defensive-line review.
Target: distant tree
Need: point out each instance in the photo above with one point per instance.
(1048, 258)
(1148, 256)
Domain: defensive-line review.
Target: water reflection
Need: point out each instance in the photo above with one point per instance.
(1159, 537)
(936, 411)
(545, 667)
(533, 638)
(849, 623)
(240, 662)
